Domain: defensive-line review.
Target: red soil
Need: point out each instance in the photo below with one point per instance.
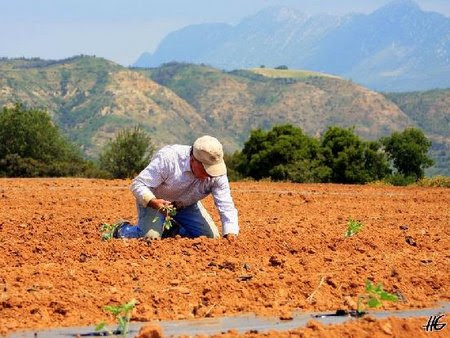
(366, 327)
(291, 253)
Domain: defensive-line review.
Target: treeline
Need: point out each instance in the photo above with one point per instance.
(36, 62)
(32, 146)
(339, 156)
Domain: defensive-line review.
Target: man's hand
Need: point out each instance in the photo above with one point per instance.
(158, 203)
(230, 237)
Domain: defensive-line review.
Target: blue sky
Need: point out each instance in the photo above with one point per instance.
(120, 30)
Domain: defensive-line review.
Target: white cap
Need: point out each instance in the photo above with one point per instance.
(209, 151)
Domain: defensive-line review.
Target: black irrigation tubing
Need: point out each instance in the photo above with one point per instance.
(246, 323)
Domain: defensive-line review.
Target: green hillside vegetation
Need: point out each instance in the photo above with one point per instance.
(236, 102)
(187, 81)
(32, 146)
(430, 111)
(72, 90)
(91, 99)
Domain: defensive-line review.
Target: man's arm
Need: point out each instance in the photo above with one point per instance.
(151, 177)
(224, 203)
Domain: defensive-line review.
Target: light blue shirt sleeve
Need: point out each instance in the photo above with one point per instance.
(151, 177)
(228, 213)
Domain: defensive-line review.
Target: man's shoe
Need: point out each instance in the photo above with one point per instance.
(109, 231)
(118, 226)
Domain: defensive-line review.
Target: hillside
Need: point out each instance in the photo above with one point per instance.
(398, 47)
(430, 111)
(92, 98)
(236, 102)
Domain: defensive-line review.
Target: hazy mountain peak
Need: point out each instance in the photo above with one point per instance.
(279, 14)
(397, 47)
(399, 6)
(288, 14)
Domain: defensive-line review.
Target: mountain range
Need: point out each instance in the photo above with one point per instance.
(91, 98)
(398, 47)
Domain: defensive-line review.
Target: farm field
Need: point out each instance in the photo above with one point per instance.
(291, 254)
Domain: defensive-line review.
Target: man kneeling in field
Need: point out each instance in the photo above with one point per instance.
(180, 176)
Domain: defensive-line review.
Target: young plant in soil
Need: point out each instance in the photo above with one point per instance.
(353, 227)
(169, 211)
(107, 231)
(122, 314)
(373, 297)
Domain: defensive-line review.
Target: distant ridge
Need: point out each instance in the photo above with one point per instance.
(398, 47)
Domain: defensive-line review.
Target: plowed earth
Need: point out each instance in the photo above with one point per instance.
(291, 253)
(365, 328)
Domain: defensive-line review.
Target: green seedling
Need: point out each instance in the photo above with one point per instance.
(123, 316)
(374, 297)
(107, 231)
(353, 227)
(101, 326)
(169, 211)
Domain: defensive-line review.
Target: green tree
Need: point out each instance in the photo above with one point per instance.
(31, 145)
(408, 151)
(233, 161)
(283, 153)
(352, 160)
(128, 153)
(375, 161)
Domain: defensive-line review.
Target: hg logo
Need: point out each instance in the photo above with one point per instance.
(433, 324)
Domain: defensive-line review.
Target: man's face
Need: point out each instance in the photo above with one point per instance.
(197, 169)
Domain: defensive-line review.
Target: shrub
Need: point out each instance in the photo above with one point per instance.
(437, 181)
(350, 159)
(400, 180)
(284, 153)
(408, 152)
(31, 145)
(127, 154)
